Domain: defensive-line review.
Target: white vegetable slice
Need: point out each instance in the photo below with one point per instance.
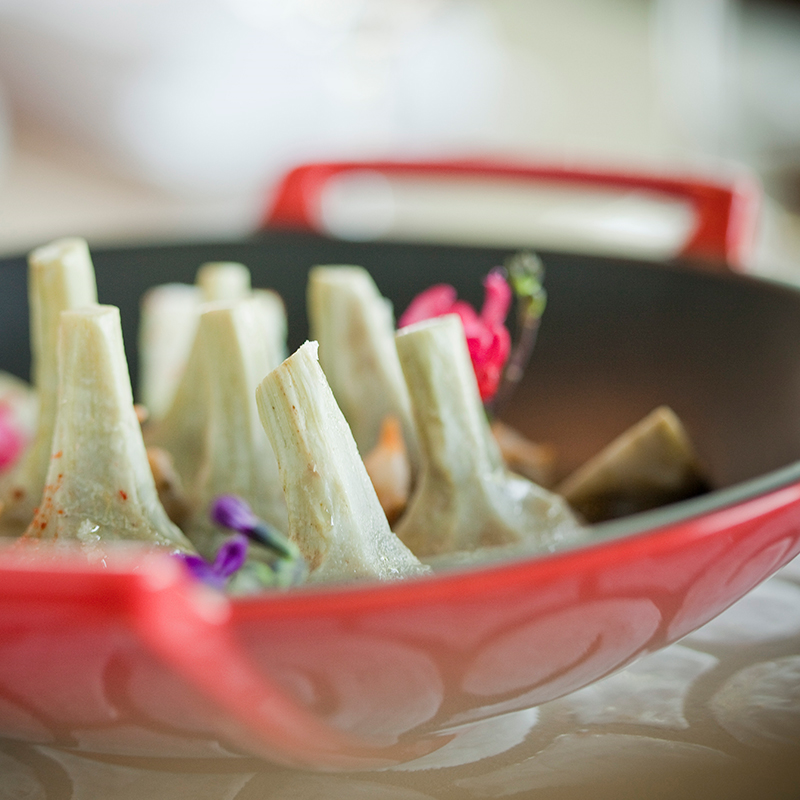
(99, 484)
(60, 276)
(168, 322)
(236, 456)
(223, 280)
(354, 326)
(334, 514)
(650, 464)
(274, 313)
(169, 315)
(465, 498)
(181, 431)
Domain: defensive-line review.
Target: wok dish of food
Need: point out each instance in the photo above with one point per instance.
(354, 621)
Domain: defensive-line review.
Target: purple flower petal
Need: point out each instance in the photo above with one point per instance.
(202, 570)
(231, 556)
(232, 512)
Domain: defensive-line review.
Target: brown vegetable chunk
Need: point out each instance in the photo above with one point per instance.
(651, 464)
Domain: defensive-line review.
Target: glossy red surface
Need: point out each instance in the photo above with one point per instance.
(134, 658)
(137, 659)
(726, 212)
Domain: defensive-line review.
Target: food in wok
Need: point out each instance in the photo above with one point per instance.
(233, 421)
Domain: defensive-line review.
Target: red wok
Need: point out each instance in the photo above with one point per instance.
(134, 658)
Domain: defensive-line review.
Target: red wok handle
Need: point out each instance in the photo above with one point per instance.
(726, 213)
(152, 606)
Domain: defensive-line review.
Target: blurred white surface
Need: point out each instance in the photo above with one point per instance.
(163, 120)
(220, 96)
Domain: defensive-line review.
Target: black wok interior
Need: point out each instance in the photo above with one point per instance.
(618, 338)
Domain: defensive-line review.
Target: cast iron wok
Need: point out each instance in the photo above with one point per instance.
(133, 657)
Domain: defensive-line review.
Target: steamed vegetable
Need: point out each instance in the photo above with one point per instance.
(169, 315)
(334, 514)
(488, 339)
(273, 314)
(223, 280)
(354, 326)
(168, 321)
(99, 486)
(649, 465)
(212, 429)
(273, 458)
(465, 498)
(60, 276)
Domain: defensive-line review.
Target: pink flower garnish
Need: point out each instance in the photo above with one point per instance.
(488, 339)
(12, 442)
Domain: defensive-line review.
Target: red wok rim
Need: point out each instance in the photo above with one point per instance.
(590, 557)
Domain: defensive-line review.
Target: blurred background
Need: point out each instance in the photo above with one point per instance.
(169, 119)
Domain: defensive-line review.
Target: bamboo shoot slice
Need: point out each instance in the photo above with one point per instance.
(169, 315)
(649, 465)
(354, 326)
(223, 281)
(465, 499)
(236, 456)
(99, 484)
(60, 276)
(181, 430)
(168, 322)
(334, 514)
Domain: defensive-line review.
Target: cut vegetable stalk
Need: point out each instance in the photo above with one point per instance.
(334, 514)
(273, 312)
(649, 465)
(236, 455)
(168, 321)
(99, 484)
(60, 276)
(354, 325)
(223, 281)
(180, 432)
(169, 315)
(465, 498)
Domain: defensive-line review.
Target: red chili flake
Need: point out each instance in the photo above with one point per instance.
(123, 495)
(488, 339)
(58, 454)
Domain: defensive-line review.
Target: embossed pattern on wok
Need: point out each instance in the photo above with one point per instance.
(138, 661)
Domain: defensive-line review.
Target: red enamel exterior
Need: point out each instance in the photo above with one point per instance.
(136, 658)
(356, 677)
(726, 212)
